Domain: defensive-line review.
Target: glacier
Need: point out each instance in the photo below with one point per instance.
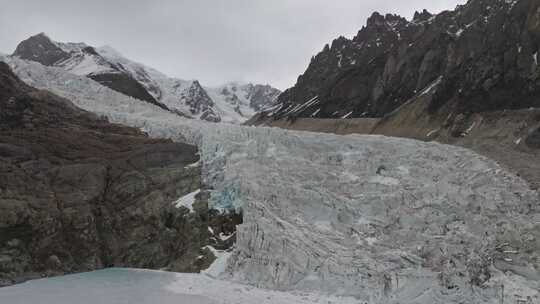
(379, 219)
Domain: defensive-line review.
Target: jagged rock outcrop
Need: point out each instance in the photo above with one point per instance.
(199, 103)
(78, 193)
(262, 97)
(483, 56)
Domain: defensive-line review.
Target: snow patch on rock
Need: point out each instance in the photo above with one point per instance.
(187, 200)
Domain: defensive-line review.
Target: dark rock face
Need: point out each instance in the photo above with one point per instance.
(78, 193)
(262, 96)
(90, 50)
(125, 84)
(231, 98)
(533, 140)
(41, 49)
(141, 76)
(200, 103)
(483, 56)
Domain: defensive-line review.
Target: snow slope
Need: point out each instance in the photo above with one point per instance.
(385, 220)
(233, 102)
(238, 101)
(82, 62)
(188, 97)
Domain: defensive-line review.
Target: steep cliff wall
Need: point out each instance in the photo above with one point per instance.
(78, 193)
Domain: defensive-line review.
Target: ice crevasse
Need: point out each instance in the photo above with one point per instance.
(373, 217)
(386, 220)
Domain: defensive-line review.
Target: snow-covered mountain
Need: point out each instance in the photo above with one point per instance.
(233, 102)
(239, 100)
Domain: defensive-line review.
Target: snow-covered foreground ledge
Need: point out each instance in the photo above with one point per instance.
(126, 286)
(386, 220)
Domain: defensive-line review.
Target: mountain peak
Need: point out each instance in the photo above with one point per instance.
(423, 16)
(196, 84)
(40, 48)
(109, 51)
(375, 19)
(42, 34)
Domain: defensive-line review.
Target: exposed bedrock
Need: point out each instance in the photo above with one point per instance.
(78, 193)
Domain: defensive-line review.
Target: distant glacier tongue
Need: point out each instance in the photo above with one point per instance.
(384, 219)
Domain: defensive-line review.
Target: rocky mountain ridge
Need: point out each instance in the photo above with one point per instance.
(186, 98)
(482, 56)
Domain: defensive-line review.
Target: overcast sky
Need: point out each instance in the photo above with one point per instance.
(215, 41)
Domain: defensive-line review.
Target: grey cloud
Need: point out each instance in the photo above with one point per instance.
(211, 40)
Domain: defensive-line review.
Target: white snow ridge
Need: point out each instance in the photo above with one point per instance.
(370, 218)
